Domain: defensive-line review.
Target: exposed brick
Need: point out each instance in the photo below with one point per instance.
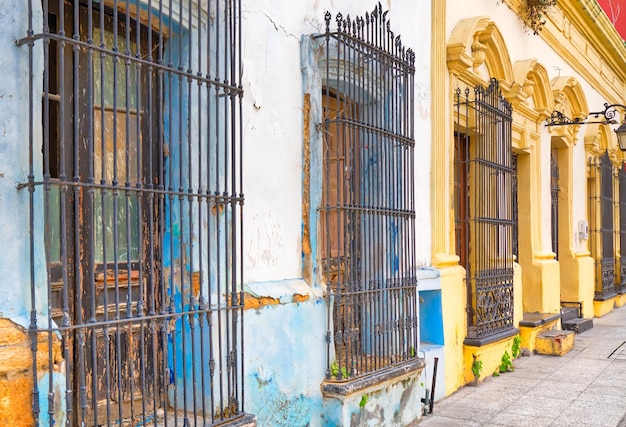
(12, 334)
(250, 301)
(16, 400)
(300, 298)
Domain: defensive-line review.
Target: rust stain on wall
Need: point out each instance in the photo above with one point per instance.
(306, 187)
(195, 283)
(250, 301)
(300, 298)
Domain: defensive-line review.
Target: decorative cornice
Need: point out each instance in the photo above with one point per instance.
(587, 42)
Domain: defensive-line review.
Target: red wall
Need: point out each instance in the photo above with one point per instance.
(620, 25)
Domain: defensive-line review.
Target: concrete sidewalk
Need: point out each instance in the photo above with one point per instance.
(586, 387)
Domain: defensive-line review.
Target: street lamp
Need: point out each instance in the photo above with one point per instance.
(559, 119)
(621, 136)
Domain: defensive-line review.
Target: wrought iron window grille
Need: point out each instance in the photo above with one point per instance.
(554, 204)
(621, 232)
(484, 212)
(367, 214)
(601, 224)
(136, 202)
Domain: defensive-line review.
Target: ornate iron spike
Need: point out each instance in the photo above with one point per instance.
(411, 56)
(327, 18)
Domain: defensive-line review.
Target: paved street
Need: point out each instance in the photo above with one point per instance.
(586, 387)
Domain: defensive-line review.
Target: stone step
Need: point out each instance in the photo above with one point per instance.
(577, 325)
(568, 313)
(555, 342)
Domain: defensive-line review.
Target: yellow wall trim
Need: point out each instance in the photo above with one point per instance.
(600, 308)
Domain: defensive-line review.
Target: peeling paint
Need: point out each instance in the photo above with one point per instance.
(300, 298)
(306, 188)
(250, 301)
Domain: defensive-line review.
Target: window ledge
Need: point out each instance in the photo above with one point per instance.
(377, 379)
(245, 420)
(477, 342)
(600, 297)
(533, 320)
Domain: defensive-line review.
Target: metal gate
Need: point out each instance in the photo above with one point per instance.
(601, 226)
(136, 207)
(621, 174)
(484, 164)
(368, 209)
(554, 205)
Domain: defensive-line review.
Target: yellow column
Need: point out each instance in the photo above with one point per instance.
(440, 176)
(452, 283)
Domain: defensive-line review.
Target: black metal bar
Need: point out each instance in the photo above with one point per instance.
(431, 402)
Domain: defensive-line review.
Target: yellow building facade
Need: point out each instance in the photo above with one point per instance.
(526, 179)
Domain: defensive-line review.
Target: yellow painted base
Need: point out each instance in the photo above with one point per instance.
(600, 308)
(490, 355)
(620, 300)
(529, 334)
(578, 281)
(555, 343)
(454, 325)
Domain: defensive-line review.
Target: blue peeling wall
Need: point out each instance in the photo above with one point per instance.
(285, 358)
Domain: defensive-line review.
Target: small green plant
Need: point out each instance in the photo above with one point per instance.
(335, 370)
(344, 372)
(477, 367)
(516, 348)
(505, 364)
(363, 401)
(412, 351)
(496, 373)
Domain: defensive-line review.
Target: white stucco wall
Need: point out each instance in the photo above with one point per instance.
(273, 124)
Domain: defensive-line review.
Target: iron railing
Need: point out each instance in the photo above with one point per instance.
(621, 175)
(554, 205)
(601, 224)
(484, 164)
(135, 188)
(368, 209)
(514, 197)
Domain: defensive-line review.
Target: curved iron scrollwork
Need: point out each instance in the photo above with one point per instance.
(559, 119)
